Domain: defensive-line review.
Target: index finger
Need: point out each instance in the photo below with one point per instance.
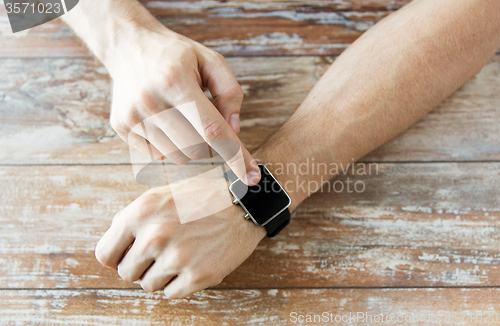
(215, 130)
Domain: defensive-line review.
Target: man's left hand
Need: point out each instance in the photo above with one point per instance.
(147, 243)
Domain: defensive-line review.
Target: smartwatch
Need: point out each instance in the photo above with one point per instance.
(265, 204)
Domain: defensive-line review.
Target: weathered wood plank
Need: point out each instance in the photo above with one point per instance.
(251, 307)
(233, 28)
(57, 110)
(427, 224)
(229, 27)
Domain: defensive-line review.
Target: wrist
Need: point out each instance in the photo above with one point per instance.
(130, 41)
(112, 29)
(253, 232)
(129, 36)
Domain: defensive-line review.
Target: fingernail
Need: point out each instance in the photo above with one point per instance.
(252, 178)
(234, 122)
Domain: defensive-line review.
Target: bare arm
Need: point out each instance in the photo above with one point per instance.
(110, 27)
(384, 82)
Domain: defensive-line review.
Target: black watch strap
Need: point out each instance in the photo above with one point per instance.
(278, 223)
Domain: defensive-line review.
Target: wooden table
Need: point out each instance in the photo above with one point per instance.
(421, 241)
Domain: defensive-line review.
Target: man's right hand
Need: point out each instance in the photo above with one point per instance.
(155, 69)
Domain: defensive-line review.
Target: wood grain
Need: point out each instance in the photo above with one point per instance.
(426, 224)
(251, 307)
(421, 240)
(56, 111)
(233, 28)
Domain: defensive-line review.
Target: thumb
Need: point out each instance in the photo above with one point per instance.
(226, 92)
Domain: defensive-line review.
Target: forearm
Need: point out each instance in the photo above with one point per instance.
(110, 26)
(388, 79)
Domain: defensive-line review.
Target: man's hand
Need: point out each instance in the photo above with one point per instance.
(155, 69)
(147, 243)
(161, 71)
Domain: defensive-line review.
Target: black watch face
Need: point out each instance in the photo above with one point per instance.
(264, 200)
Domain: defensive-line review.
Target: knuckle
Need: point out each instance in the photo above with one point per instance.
(186, 49)
(170, 76)
(214, 129)
(148, 200)
(218, 57)
(169, 201)
(235, 92)
(122, 221)
(132, 221)
(121, 229)
(153, 245)
(158, 197)
(135, 213)
(197, 152)
(147, 103)
(131, 118)
(178, 259)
